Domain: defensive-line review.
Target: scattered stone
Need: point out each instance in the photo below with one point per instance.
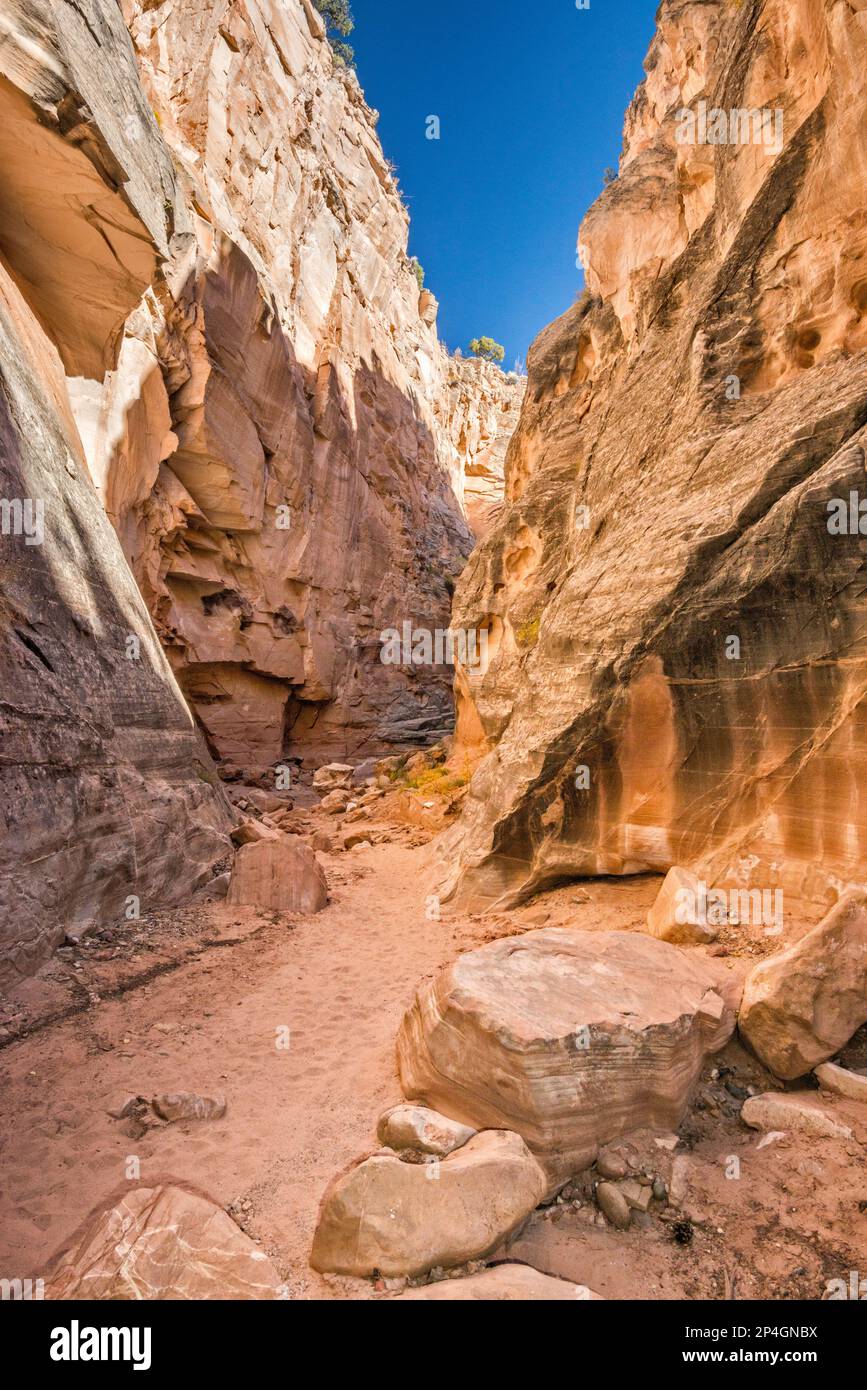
(613, 1205)
(162, 1243)
(842, 1082)
(506, 1035)
(415, 1127)
(217, 888)
(285, 876)
(398, 1218)
(506, 1283)
(679, 914)
(362, 772)
(637, 1196)
(252, 832)
(322, 842)
(660, 1192)
(667, 1141)
(801, 1006)
(776, 1111)
(267, 801)
(334, 803)
(186, 1105)
(332, 775)
(678, 1184)
(128, 1106)
(610, 1164)
(357, 837)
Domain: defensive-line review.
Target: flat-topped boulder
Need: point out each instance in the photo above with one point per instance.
(400, 1218)
(570, 1038)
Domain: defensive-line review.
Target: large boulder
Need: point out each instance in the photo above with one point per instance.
(571, 1038)
(282, 874)
(505, 1283)
(403, 1218)
(803, 1005)
(162, 1243)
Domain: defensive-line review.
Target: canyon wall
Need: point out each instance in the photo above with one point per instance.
(479, 410)
(108, 793)
(674, 590)
(274, 448)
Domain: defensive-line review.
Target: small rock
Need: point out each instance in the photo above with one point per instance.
(332, 775)
(611, 1165)
(660, 1192)
(357, 837)
(186, 1105)
(416, 1127)
(252, 832)
(774, 1111)
(322, 842)
(613, 1205)
(128, 1106)
(841, 1082)
(637, 1196)
(334, 803)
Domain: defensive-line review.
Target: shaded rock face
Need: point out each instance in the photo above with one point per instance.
(275, 448)
(108, 789)
(571, 1038)
(676, 637)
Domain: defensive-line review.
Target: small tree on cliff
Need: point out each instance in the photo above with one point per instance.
(487, 349)
(338, 20)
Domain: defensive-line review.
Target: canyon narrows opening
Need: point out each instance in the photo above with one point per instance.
(434, 856)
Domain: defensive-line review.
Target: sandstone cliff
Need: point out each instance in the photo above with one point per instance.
(273, 448)
(677, 633)
(479, 409)
(107, 789)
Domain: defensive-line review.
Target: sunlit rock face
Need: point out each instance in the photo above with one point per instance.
(276, 448)
(480, 409)
(108, 792)
(676, 658)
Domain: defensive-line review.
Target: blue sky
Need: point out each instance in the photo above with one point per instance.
(531, 96)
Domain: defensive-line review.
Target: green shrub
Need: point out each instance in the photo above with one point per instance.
(487, 349)
(338, 20)
(418, 270)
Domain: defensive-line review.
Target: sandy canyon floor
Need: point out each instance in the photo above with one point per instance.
(197, 998)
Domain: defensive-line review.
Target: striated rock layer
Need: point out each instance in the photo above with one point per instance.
(278, 449)
(677, 622)
(107, 789)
